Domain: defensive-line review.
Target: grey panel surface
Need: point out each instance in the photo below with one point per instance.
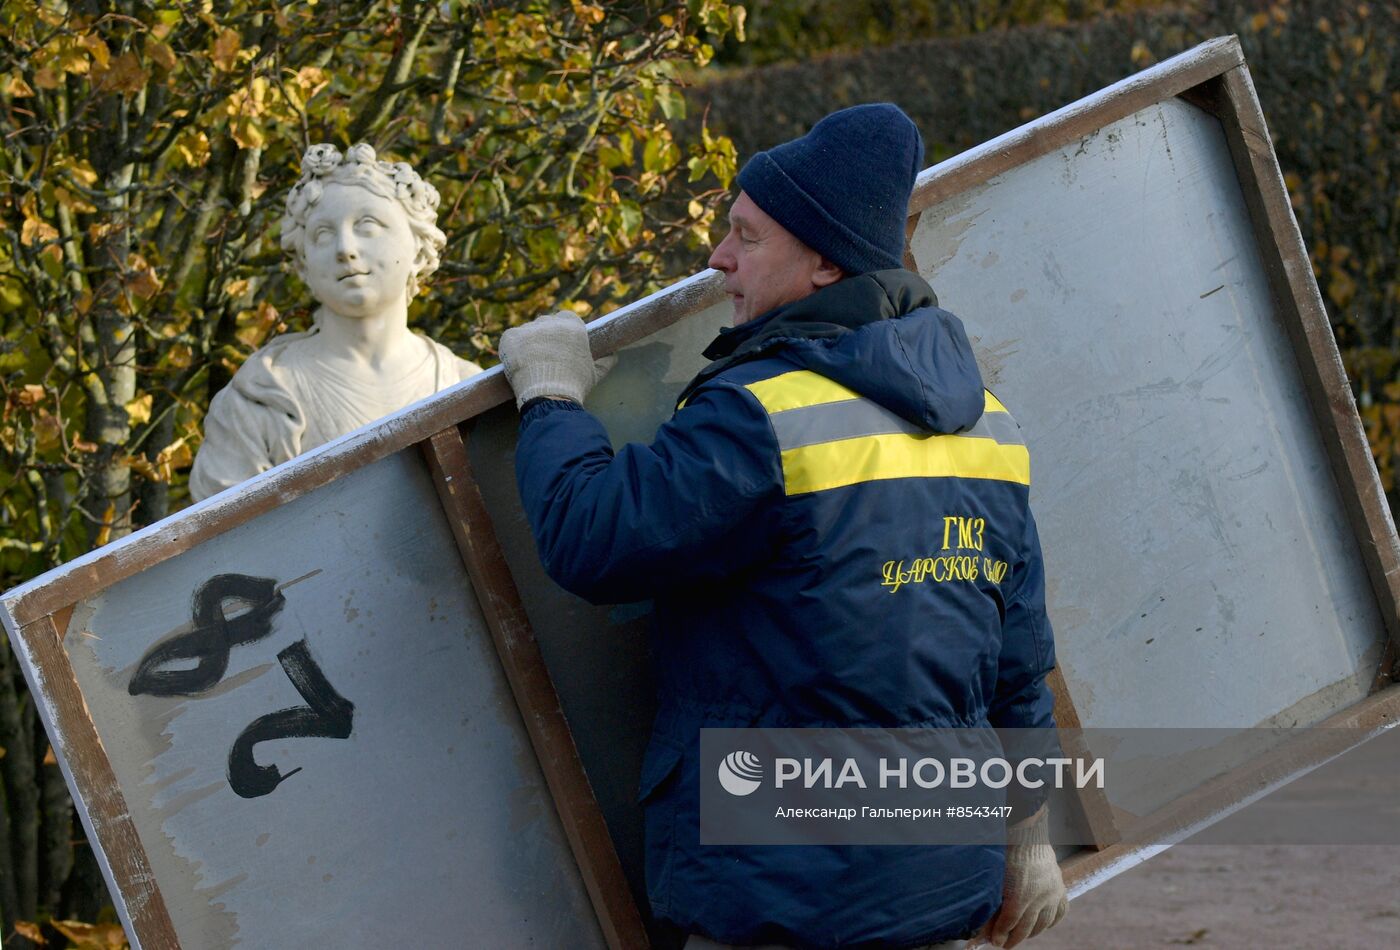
(1201, 570)
(431, 819)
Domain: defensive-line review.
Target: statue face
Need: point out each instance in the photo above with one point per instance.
(358, 251)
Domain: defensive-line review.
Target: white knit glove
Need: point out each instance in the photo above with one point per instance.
(1033, 896)
(549, 356)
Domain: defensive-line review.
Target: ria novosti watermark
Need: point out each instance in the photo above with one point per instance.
(956, 786)
(927, 772)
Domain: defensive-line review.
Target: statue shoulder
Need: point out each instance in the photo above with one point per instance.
(452, 368)
(268, 376)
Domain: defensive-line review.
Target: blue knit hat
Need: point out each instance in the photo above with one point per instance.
(843, 188)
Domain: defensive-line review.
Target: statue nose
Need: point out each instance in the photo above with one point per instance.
(347, 247)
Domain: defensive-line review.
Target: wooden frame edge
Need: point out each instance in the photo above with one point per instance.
(1090, 801)
(533, 689)
(1299, 305)
(102, 808)
(1221, 797)
(1165, 80)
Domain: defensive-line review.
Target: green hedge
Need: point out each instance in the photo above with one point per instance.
(1325, 75)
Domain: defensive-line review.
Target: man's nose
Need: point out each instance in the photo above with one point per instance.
(721, 258)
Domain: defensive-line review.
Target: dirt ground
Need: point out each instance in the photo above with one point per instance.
(1277, 893)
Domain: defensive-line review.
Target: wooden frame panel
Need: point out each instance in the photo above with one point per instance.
(529, 681)
(85, 765)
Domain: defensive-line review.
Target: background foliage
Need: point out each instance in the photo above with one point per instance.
(147, 149)
(1325, 72)
(793, 30)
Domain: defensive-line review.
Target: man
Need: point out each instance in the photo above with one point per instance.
(768, 521)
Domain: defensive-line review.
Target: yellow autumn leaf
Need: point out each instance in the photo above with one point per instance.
(254, 325)
(98, 232)
(160, 53)
(17, 88)
(224, 53)
(248, 134)
(30, 932)
(179, 356)
(73, 202)
(48, 77)
(173, 457)
(47, 431)
(250, 101)
(124, 75)
(193, 148)
(53, 17)
(311, 79)
(250, 336)
(72, 58)
(236, 288)
(141, 279)
(30, 395)
(96, 48)
(81, 170)
(140, 465)
(105, 533)
(36, 232)
(587, 12)
(138, 411)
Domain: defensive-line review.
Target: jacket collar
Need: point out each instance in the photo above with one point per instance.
(829, 313)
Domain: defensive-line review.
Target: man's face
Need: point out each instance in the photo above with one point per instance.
(764, 265)
(358, 251)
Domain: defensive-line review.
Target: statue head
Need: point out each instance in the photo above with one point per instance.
(396, 183)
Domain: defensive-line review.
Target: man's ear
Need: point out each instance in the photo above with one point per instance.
(826, 274)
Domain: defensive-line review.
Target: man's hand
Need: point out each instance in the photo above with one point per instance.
(549, 356)
(1033, 896)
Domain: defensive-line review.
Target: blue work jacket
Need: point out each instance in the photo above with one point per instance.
(798, 524)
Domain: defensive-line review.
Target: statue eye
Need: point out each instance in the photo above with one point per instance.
(321, 234)
(369, 224)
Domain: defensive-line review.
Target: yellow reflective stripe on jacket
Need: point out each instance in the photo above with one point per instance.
(830, 436)
(797, 389)
(875, 457)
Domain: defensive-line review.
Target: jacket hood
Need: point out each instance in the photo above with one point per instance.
(881, 334)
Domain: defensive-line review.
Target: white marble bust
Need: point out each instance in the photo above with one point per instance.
(362, 233)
